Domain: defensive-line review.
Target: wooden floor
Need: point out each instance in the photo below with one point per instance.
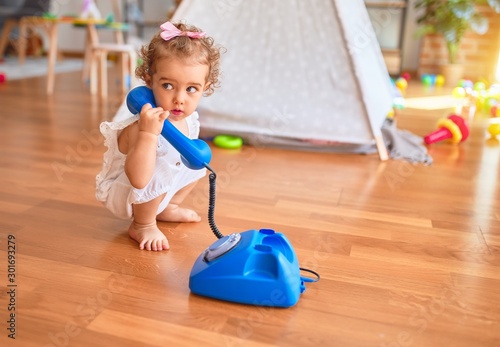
(409, 255)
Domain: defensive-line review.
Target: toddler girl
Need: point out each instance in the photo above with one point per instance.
(143, 177)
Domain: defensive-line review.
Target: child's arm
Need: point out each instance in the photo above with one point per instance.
(142, 144)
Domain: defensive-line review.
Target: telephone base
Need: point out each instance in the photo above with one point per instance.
(253, 267)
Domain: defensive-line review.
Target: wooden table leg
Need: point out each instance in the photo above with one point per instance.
(103, 74)
(23, 40)
(52, 57)
(91, 40)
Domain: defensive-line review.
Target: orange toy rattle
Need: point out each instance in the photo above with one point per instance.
(453, 127)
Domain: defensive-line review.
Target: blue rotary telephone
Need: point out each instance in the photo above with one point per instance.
(257, 267)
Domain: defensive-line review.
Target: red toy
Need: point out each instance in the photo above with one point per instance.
(406, 76)
(453, 127)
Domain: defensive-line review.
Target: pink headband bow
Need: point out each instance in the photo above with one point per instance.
(169, 31)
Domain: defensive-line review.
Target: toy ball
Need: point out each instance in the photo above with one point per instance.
(491, 102)
(433, 79)
(406, 76)
(494, 129)
(401, 83)
(479, 86)
(3, 78)
(427, 80)
(228, 141)
(458, 92)
(495, 88)
(494, 92)
(439, 80)
(495, 111)
(467, 84)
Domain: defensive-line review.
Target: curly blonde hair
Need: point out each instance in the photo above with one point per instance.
(200, 50)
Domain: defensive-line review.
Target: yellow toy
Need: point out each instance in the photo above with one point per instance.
(440, 80)
(494, 129)
(401, 84)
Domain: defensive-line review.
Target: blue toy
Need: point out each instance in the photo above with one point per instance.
(252, 267)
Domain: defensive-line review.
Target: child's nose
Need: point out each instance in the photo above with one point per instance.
(179, 98)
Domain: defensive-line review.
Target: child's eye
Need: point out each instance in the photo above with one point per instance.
(191, 89)
(167, 86)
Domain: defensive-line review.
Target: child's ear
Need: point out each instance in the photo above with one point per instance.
(147, 80)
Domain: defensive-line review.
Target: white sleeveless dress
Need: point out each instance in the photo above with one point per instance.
(170, 175)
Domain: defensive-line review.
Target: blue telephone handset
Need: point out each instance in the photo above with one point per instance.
(195, 153)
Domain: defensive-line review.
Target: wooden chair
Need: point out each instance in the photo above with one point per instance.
(99, 64)
(96, 57)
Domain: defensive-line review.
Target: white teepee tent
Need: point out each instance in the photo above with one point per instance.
(296, 72)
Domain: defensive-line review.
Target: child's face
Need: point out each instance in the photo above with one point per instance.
(178, 86)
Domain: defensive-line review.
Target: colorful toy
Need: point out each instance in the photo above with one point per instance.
(479, 86)
(3, 77)
(495, 90)
(477, 98)
(439, 80)
(490, 106)
(406, 76)
(458, 92)
(466, 84)
(494, 129)
(427, 80)
(401, 83)
(228, 141)
(398, 102)
(495, 111)
(453, 127)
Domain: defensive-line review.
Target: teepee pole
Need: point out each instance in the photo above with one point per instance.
(345, 15)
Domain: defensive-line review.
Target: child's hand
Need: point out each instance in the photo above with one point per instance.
(151, 119)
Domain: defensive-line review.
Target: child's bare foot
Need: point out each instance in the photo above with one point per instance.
(174, 213)
(148, 236)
